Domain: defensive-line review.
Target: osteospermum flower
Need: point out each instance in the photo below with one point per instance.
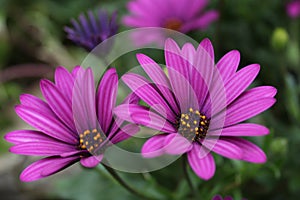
(90, 31)
(74, 123)
(178, 15)
(199, 106)
(293, 8)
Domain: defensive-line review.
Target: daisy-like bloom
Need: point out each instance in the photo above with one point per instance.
(293, 8)
(199, 106)
(73, 124)
(178, 15)
(90, 31)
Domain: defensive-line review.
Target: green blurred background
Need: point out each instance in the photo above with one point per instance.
(33, 43)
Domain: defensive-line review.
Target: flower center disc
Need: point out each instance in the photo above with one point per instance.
(90, 140)
(193, 125)
(173, 24)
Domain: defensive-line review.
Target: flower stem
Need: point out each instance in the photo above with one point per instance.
(186, 175)
(114, 174)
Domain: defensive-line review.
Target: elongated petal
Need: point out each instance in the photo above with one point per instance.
(175, 144)
(132, 98)
(208, 47)
(51, 165)
(35, 102)
(158, 77)
(204, 65)
(251, 152)
(23, 136)
(225, 148)
(124, 133)
(106, 98)
(201, 22)
(228, 64)
(181, 75)
(239, 83)
(246, 129)
(84, 101)
(204, 167)
(91, 161)
(153, 147)
(243, 109)
(58, 103)
(143, 116)
(65, 82)
(257, 93)
(41, 148)
(46, 123)
(144, 89)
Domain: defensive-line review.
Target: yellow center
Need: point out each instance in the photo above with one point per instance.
(173, 24)
(90, 140)
(193, 125)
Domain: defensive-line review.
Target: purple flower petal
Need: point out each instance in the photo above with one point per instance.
(224, 148)
(175, 144)
(106, 98)
(229, 198)
(202, 77)
(228, 64)
(23, 136)
(236, 85)
(258, 92)
(84, 101)
(36, 103)
(46, 123)
(60, 105)
(44, 148)
(38, 169)
(246, 129)
(251, 152)
(158, 76)
(141, 115)
(217, 197)
(204, 167)
(91, 161)
(208, 47)
(201, 22)
(143, 88)
(179, 70)
(65, 82)
(124, 133)
(154, 146)
(243, 109)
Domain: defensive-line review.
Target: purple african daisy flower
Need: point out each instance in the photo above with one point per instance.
(178, 15)
(91, 31)
(199, 106)
(74, 123)
(293, 9)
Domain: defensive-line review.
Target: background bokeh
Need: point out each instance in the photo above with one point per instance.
(33, 43)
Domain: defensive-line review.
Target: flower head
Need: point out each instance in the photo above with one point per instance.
(293, 8)
(92, 30)
(74, 123)
(199, 106)
(171, 14)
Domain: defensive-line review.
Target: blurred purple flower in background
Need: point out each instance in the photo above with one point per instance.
(293, 9)
(190, 109)
(90, 31)
(177, 15)
(74, 124)
(219, 197)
